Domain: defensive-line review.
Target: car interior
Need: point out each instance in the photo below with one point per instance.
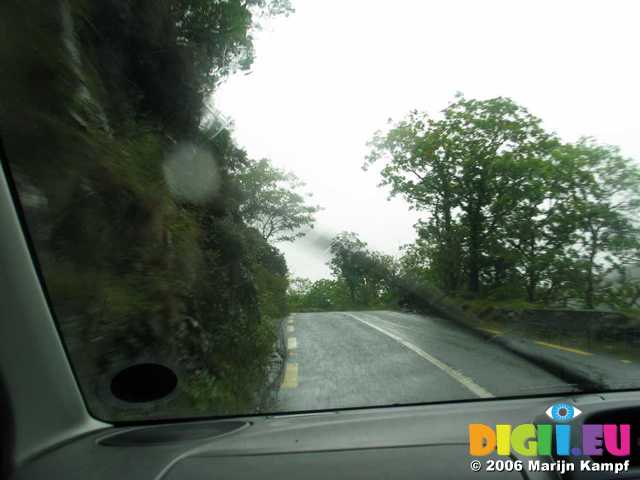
(48, 431)
(271, 239)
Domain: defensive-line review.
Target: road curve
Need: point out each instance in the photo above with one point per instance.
(356, 359)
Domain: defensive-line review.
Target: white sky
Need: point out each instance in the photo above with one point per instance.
(329, 75)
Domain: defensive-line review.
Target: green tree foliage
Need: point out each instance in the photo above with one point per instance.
(362, 279)
(168, 54)
(349, 262)
(97, 97)
(271, 203)
(511, 211)
(604, 197)
(319, 296)
(364, 273)
(459, 170)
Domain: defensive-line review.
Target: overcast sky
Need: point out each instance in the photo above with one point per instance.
(328, 76)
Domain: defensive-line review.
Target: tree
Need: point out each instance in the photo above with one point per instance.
(365, 273)
(460, 170)
(348, 261)
(538, 225)
(604, 195)
(271, 203)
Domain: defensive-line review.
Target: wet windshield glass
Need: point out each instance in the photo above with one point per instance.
(248, 206)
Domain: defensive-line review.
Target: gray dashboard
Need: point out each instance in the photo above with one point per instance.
(429, 441)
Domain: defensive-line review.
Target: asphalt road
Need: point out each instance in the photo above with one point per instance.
(355, 359)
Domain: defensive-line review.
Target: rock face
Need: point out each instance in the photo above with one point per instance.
(275, 370)
(133, 272)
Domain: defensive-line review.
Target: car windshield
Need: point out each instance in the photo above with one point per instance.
(261, 206)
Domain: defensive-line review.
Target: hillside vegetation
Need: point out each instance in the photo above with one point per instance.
(138, 202)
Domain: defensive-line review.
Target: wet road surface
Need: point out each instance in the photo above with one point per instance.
(355, 359)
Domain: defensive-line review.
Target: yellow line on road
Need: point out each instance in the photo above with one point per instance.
(290, 376)
(491, 330)
(565, 349)
(292, 343)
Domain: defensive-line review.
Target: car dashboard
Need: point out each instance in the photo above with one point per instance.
(413, 442)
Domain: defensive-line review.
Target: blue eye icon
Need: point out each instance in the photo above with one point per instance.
(562, 412)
